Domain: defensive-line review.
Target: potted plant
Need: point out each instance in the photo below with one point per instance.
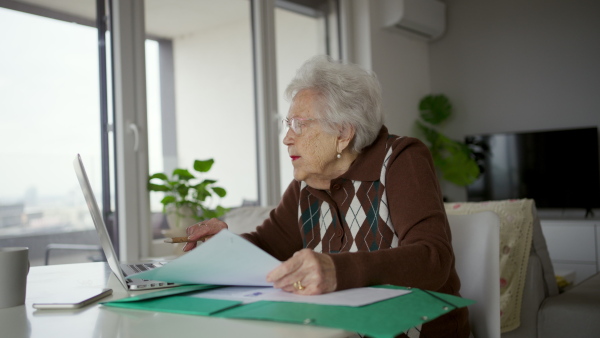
(188, 199)
(457, 162)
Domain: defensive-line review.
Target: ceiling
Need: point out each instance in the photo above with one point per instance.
(164, 19)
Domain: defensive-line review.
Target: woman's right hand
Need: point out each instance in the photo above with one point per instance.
(203, 231)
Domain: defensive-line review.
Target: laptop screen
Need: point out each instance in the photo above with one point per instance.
(107, 246)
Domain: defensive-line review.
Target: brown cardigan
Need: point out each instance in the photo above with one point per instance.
(423, 257)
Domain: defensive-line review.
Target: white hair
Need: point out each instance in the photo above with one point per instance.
(349, 96)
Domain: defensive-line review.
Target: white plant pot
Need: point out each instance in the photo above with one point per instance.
(182, 219)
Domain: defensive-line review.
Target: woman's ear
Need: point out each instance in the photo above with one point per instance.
(345, 137)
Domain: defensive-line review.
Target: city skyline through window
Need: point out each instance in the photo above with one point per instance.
(49, 108)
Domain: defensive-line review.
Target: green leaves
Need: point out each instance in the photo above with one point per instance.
(435, 108)
(182, 189)
(183, 174)
(168, 199)
(431, 135)
(454, 159)
(157, 187)
(160, 176)
(203, 166)
(219, 191)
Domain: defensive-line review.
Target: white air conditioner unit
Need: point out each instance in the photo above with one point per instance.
(422, 18)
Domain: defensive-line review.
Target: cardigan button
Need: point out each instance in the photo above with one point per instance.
(336, 187)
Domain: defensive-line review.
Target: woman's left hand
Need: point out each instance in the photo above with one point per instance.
(306, 273)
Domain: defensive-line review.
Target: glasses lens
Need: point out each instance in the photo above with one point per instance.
(285, 125)
(295, 124)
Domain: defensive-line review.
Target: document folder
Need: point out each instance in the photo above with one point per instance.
(383, 319)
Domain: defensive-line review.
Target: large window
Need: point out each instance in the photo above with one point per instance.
(49, 108)
(191, 79)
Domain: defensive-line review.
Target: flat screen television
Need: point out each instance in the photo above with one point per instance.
(557, 168)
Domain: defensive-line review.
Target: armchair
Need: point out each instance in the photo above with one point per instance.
(476, 242)
(538, 310)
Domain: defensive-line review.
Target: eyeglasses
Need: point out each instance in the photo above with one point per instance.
(296, 123)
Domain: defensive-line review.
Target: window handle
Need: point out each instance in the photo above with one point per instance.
(136, 135)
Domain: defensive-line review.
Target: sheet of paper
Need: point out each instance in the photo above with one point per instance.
(351, 297)
(225, 259)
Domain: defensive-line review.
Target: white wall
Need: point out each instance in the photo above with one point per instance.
(215, 106)
(400, 61)
(518, 66)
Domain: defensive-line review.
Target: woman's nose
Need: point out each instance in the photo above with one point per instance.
(288, 139)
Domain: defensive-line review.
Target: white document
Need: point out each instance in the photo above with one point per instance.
(225, 259)
(350, 297)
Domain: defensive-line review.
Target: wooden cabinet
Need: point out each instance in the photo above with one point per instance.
(573, 246)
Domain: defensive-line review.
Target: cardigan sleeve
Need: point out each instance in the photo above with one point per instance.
(279, 234)
(424, 256)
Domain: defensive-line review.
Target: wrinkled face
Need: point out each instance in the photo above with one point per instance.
(313, 151)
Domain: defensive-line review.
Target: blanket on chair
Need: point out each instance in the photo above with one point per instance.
(516, 227)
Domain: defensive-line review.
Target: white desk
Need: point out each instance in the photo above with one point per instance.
(101, 321)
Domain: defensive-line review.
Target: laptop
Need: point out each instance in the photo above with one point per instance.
(121, 270)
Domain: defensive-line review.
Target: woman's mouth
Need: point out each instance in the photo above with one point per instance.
(294, 157)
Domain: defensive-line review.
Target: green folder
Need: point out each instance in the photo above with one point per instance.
(383, 319)
(176, 300)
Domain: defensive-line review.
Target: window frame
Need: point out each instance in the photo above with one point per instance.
(130, 127)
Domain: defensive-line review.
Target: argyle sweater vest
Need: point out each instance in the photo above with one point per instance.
(361, 221)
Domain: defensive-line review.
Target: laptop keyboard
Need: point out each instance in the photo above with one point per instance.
(141, 267)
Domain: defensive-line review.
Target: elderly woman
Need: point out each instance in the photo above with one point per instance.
(364, 207)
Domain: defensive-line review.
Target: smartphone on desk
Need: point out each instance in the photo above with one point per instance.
(72, 300)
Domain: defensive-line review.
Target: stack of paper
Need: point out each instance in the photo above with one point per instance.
(225, 259)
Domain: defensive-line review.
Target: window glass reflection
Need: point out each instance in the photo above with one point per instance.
(49, 108)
